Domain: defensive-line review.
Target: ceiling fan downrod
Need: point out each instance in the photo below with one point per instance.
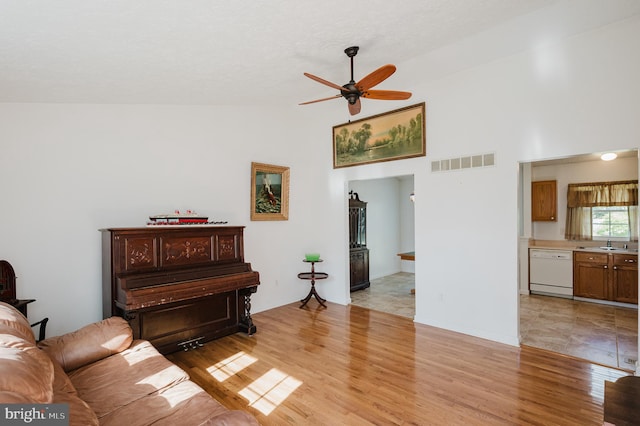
(351, 92)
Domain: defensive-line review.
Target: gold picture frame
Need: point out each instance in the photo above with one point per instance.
(393, 135)
(269, 192)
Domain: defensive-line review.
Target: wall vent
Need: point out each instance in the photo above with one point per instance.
(467, 162)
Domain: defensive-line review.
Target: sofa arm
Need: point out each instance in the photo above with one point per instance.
(89, 344)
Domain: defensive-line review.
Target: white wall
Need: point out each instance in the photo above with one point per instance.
(68, 170)
(590, 171)
(407, 223)
(566, 97)
(582, 101)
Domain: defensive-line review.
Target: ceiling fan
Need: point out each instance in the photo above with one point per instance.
(352, 91)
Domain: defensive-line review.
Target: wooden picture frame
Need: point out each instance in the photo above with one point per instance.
(393, 135)
(269, 192)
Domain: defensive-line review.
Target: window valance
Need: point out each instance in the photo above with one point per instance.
(599, 194)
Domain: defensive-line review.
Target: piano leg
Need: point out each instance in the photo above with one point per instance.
(246, 323)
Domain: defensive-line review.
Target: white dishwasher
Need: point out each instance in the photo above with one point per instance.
(551, 272)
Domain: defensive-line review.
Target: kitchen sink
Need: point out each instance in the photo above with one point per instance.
(608, 248)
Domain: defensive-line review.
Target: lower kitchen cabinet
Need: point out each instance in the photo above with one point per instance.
(604, 276)
(591, 275)
(625, 278)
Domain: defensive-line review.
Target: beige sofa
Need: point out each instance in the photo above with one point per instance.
(104, 375)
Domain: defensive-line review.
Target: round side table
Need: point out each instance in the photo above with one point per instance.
(313, 276)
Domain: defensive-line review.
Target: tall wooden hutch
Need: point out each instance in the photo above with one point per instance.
(358, 251)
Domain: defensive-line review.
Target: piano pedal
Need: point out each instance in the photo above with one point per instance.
(191, 344)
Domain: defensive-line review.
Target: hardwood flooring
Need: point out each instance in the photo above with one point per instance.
(351, 365)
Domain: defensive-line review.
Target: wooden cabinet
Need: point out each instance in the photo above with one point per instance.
(625, 278)
(591, 275)
(359, 269)
(358, 252)
(604, 276)
(544, 201)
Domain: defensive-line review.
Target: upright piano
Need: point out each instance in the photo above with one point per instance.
(178, 286)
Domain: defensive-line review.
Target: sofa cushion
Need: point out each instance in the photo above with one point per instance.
(80, 414)
(25, 370)
(7, 397)
(61, 382)
(125, 377)
(13, 322)
(90, 343)
(183, 404)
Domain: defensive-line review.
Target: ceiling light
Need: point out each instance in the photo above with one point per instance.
(608, 156)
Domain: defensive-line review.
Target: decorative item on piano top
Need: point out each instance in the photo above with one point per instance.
(177, 218)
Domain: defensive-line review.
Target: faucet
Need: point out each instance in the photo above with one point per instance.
(608, 243)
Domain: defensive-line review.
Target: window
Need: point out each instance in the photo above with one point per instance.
(602, 211)
(610, 222)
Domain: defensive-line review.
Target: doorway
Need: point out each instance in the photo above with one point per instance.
(390, 231)
(599, 332)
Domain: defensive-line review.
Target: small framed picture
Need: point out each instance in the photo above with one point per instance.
(269, 192)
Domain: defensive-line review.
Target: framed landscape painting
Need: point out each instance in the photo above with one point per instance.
(269, 192)
(394, 135)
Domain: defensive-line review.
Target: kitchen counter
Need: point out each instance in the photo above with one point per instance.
(615, 250)
(577, 246)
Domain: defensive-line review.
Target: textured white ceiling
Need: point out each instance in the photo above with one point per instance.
(220, 52)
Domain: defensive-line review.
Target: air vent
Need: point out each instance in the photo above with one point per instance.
(467, 162)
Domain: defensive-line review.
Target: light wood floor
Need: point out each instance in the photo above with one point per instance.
(352, 365)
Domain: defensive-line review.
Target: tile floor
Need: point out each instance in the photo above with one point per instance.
(603, 334)
(391, 294)
(600, 333)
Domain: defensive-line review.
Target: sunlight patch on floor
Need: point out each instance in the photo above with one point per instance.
(270, 390)
(226, 368)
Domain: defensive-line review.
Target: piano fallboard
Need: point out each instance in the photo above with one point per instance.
(134, 297)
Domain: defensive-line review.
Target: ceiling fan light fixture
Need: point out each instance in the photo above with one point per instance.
(608, 156)
(352, 98)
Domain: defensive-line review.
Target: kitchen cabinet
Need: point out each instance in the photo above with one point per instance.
(625, 278)
(591, 275)
(544, 201)
(605, 276)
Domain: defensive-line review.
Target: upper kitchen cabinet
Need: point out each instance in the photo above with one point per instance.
(544, 201)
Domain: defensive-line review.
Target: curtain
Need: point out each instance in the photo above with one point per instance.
(633, 222)
(578, 226)
(582, 196)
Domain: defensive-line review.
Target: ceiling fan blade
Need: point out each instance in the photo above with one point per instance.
(387, 95)
(355, 108)
(376, 77)
(323, 81)
(320, 100)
